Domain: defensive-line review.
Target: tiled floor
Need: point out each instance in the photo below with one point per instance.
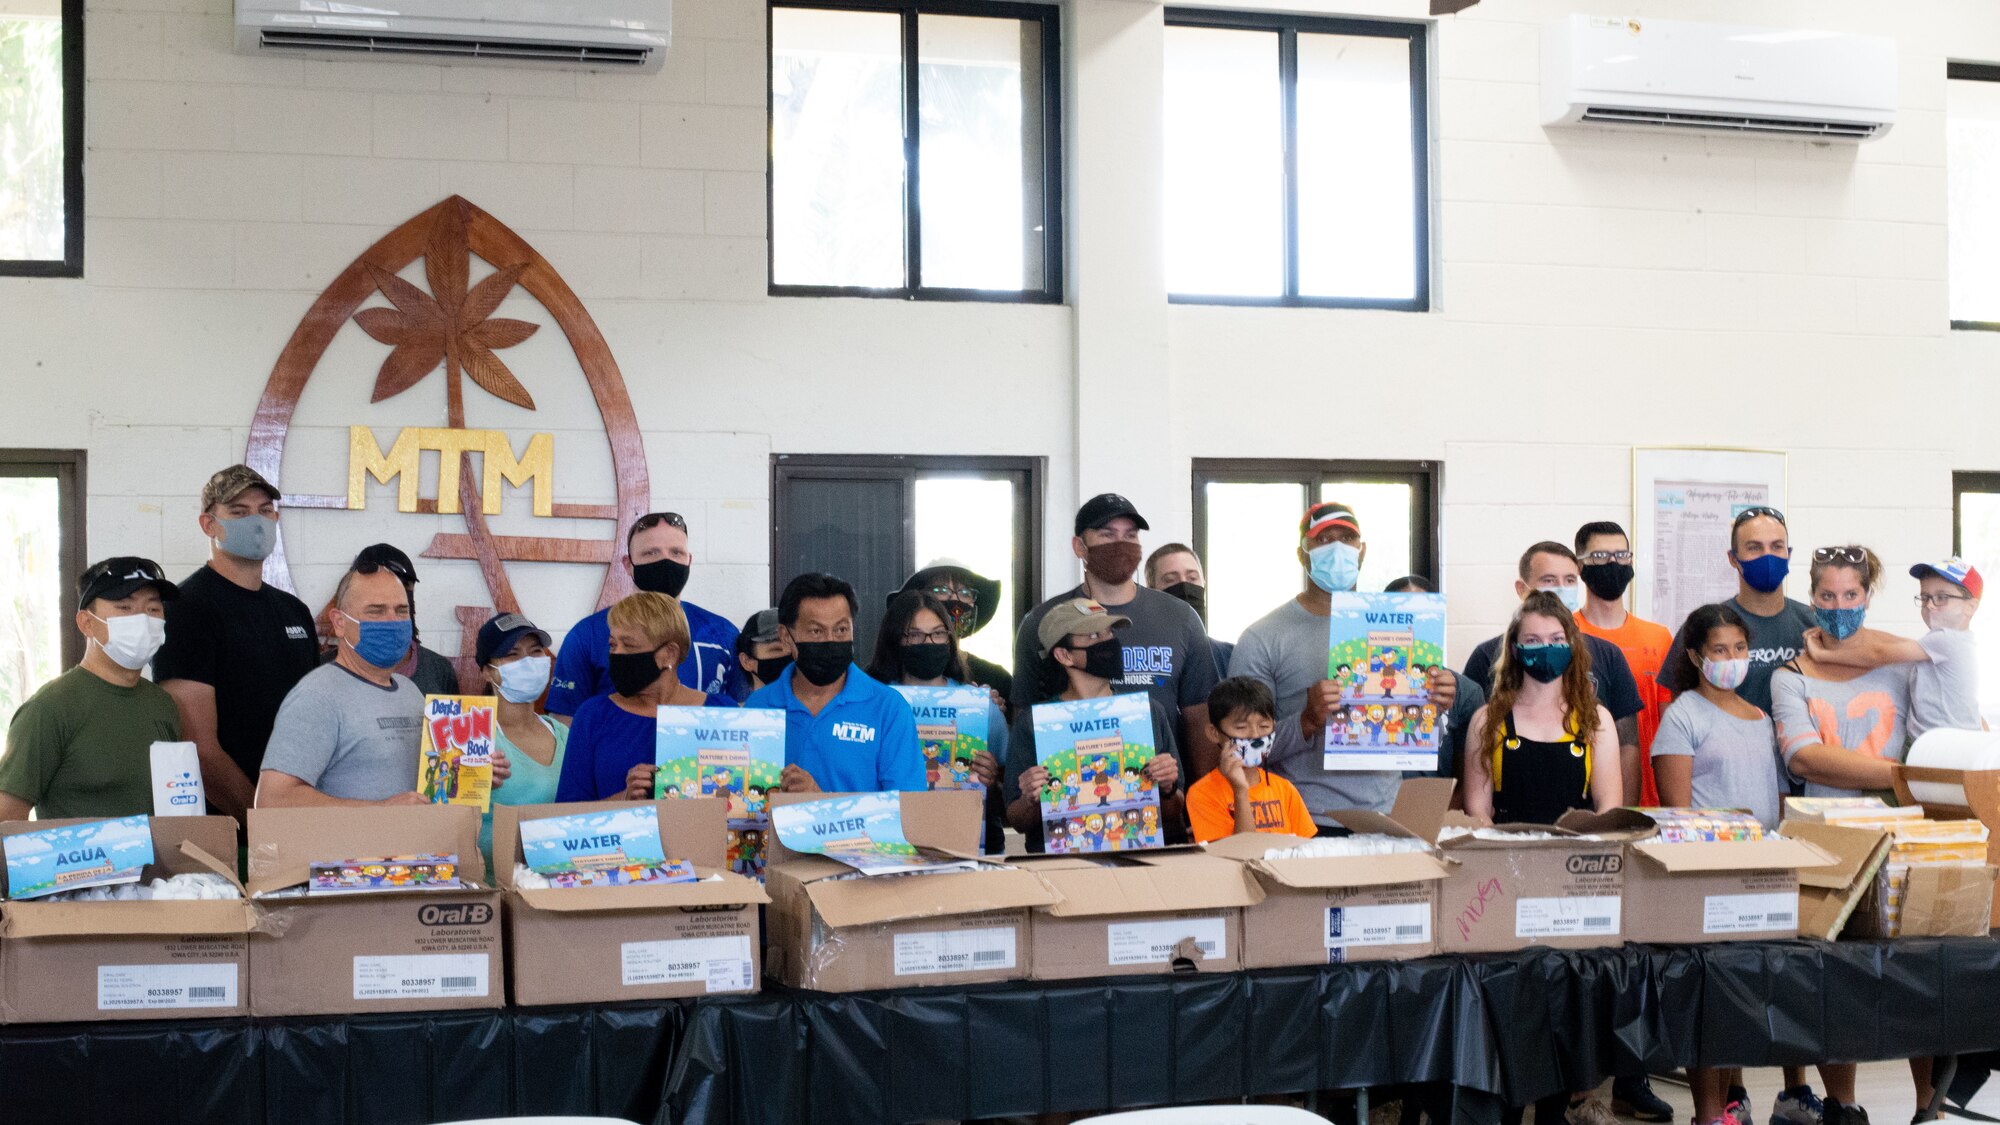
(1883, 1088)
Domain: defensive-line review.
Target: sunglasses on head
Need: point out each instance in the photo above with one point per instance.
(395, 568)
(1856, 555)
(1753, 513)
(651, 520)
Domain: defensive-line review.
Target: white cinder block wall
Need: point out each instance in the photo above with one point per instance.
(1595, 291)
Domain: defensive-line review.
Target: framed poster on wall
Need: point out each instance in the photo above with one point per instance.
(1683, 503)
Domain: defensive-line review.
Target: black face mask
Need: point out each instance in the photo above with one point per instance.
(925, 661)
(770, 668)
(661, 576)
(1608, 580)
(823, 662)
(1196, 596)
(1105, 659)
(633, 672)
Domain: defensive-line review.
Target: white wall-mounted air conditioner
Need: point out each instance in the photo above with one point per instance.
(593, 34)
(1717, 78)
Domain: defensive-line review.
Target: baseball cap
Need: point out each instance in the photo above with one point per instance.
(760, 628)
(1105, 507)
(1325, 514)
(231, 482)
(1077, 615)
(1953, 569)
(391, 558)
(119, 576)
(501, 633)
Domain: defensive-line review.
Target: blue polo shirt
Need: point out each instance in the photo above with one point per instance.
(583, 665)
(862, 741)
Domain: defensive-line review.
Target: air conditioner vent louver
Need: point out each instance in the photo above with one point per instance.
(1714, 122)
(364, 43)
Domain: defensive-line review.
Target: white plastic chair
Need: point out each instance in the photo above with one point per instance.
(1211, 1115)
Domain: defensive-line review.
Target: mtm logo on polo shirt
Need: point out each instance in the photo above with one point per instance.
(854, 732)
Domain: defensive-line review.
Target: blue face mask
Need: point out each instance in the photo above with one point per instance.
(248, 537)
(1546, 663)
(1765, 573)
(1840, 624)
(1335, 567)
(383, 644)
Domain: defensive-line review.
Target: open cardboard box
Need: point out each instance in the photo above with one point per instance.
(1717, 890)
(1139, 912)
(1981, 790)
(572, 945)
(1566, 892)
(64, 961)
(834, 930)
(370, 951)
(1829, 894)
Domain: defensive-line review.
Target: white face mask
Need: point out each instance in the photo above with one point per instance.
(1252, 750)
(1951, 615)
(1570, 596)
(131, 640)
(522, 681)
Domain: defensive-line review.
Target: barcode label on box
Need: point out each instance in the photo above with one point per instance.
(420, 976)
(722, 964)
(1741, 914)
(1407, 923)
(123, 988)
(955, 951)
(1583, 916)
(1152, 943)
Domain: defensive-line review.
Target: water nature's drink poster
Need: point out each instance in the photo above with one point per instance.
(455, 758)
(1098, 798)
(733, 753)
(951, 726)
(1380, 650)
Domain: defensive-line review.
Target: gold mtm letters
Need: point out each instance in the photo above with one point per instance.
(402, 463)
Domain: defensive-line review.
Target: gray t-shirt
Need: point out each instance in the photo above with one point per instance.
(1865, 715)
(1735, 760)
(1944, 691)
(1774, 642)
(348, 737)
(1286, 648)
(1165, 647)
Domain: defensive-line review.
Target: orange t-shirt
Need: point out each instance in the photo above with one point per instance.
(1645, 646)
(1275, 806)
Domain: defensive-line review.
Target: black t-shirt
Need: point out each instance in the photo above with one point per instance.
(251, 646)
(1609, 674)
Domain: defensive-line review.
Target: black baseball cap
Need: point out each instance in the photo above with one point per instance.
(391, 558)
(760, 628)
(121, 575)
(1105, 507)
(501, 633)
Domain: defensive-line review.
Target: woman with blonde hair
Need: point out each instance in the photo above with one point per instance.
(611, 739)
(1542, 745)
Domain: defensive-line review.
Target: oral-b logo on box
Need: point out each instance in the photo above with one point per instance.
(455, 914)
(1596, 864)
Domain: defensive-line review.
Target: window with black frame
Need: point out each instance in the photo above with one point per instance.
(1297, 161)
(1972, 194)
(874, 520)
(41, 138)
(1975, 537)
(41, 553)
(1246, 527)
(915, 150)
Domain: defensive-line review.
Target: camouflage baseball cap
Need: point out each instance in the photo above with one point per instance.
(232, 482)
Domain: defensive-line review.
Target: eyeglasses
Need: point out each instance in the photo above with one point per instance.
(932, 637)
(1598, 558)
(951, 590)
(1937, 601)
(651, 520)
(1855, 555)
(1753, 513)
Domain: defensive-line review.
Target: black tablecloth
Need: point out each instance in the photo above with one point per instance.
(1505, 1029)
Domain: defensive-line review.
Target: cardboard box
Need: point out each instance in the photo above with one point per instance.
(1828, 895)
(1138, 913)
(64, 961)
(1735, 890)
(1332, 909)
(834, 931)
(1566, 892)
(650, 942)
(370, 951)
(1937, 901)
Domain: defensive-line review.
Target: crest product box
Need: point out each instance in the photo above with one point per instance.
(1516, 885)
(644, 941)
(836, 930)
(369, 951)
(1137, 913)
(67, 961)
(1717, 890)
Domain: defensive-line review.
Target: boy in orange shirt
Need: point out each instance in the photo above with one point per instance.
(1240, 795)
